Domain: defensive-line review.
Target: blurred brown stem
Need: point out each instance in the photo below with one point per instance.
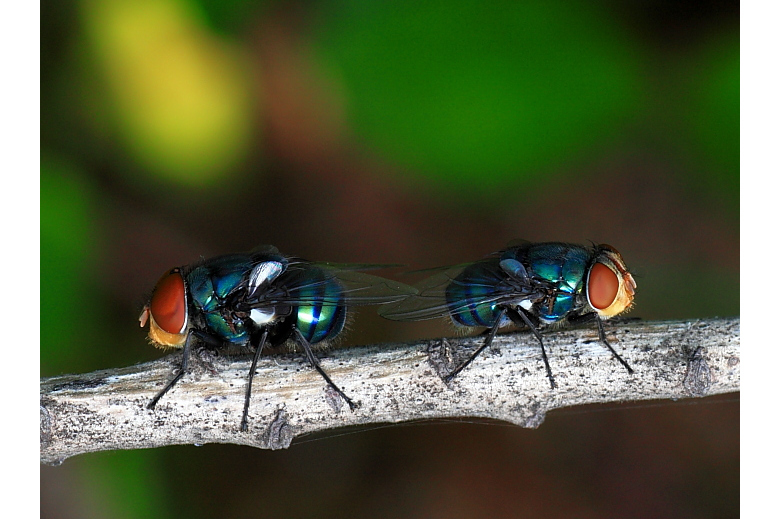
(106, 410)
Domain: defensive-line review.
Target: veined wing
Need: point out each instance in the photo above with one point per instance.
(306, 283)
(458, 288)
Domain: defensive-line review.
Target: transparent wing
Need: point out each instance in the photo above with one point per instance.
(264, 250)
(457, 288)
(306, 283)
(517, 242)
(355, 266)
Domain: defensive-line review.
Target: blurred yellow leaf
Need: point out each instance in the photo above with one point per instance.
(183, 98)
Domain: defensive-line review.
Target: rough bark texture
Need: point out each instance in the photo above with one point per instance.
(106, 410)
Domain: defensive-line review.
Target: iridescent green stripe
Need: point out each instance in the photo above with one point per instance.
(318, 322)
(471, 286)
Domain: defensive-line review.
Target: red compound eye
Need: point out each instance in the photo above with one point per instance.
(602, 286)
(168, 303)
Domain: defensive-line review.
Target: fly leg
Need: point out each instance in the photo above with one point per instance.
(315, 363)
(519, 312)
(184, 362)
(602, 334)
(487, 342)
(257, 352)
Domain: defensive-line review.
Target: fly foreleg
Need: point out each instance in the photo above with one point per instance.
(184, 362)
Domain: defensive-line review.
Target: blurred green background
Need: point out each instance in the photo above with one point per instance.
(423, 133)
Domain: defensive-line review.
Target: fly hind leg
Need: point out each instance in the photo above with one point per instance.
(315, 363)
(490, 336)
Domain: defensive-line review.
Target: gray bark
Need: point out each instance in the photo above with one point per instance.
(106, 410)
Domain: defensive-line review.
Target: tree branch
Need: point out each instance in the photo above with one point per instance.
(106, 410)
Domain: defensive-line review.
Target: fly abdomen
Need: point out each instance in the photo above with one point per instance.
(319, 322)
(323, 320)
(476, 315)
(474, 284)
